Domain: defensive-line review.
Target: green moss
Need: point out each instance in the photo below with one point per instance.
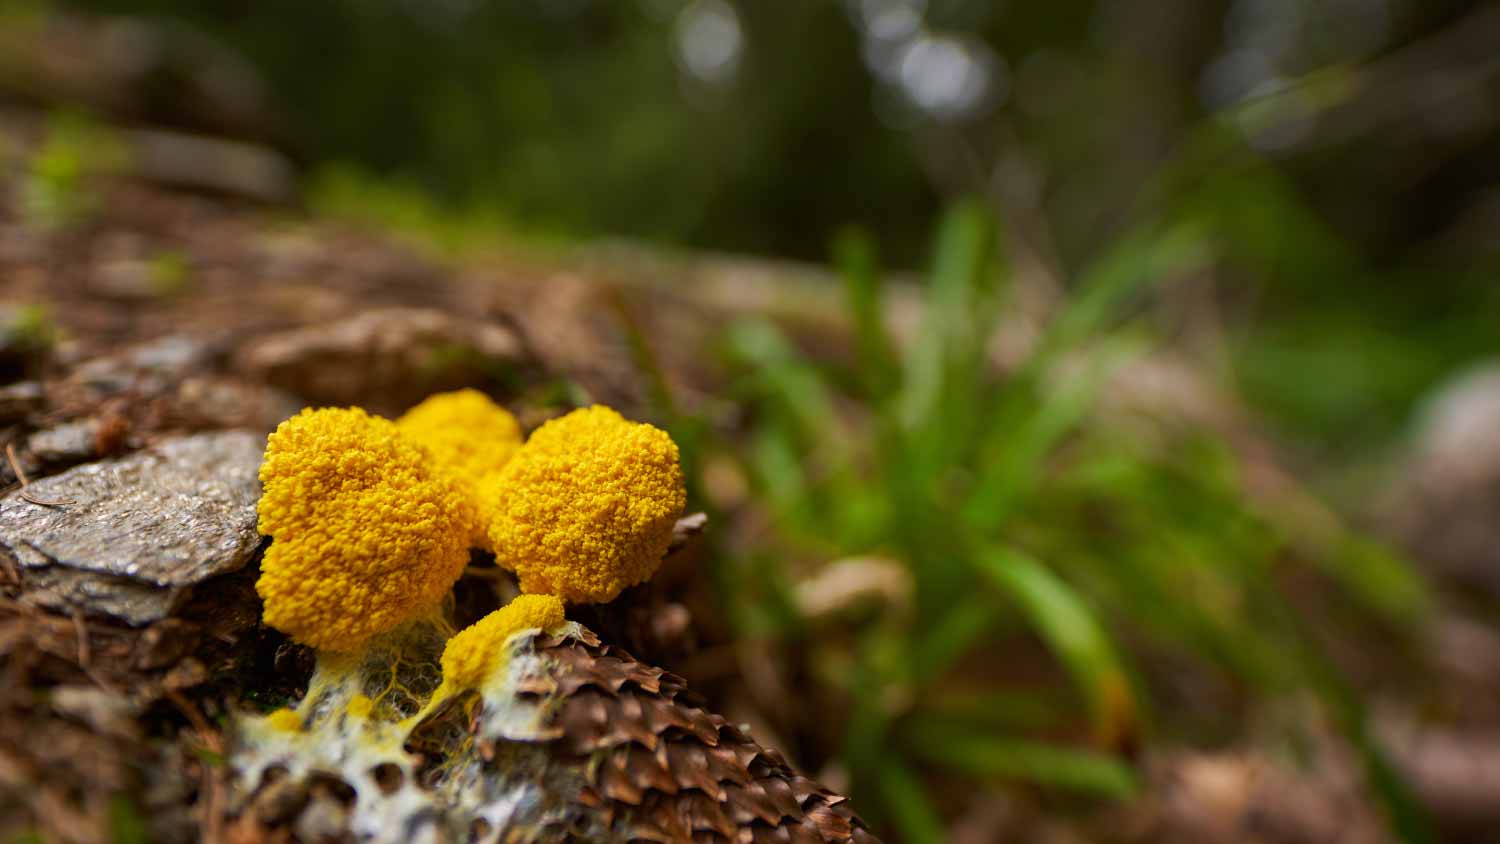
(58, 190)
(346, 193)
(170, 274)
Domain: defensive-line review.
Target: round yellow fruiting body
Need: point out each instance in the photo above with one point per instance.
(360, 706)
(285, 719)
(478, 650)
(471, 438)
(367, 533)
(586, 507)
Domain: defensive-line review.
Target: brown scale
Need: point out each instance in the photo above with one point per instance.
(663, 769)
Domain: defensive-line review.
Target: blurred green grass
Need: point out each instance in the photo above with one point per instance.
(1022, 511)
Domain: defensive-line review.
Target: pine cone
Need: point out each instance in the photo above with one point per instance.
(586, 745)
(667, 769)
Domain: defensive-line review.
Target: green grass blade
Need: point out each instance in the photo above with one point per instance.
(1138, 261)
(1408, 818)
(906, 802)
(643, 355)
(1037, 762)
(1062, 618)
(1030, 710)
(790, 381)
(1372, 573)
(950, 330)
(1030, 421)
(781, 476)
(854, 256)
(951, 636)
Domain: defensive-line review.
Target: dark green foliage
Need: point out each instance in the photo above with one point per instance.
(574, 116)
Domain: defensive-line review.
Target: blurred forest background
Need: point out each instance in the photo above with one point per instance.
(1164, 414)
(1340, 150)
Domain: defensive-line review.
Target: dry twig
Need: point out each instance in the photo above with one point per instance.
(85, 653)
(85, 657)
(15, 466)
(214, 785)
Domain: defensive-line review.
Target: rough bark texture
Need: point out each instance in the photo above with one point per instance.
(128, 537)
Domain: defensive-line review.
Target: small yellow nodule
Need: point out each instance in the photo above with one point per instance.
(478, 650)
(586, 507)
(285, 719)
(360, 705)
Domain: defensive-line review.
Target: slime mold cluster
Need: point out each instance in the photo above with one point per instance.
(372, 522)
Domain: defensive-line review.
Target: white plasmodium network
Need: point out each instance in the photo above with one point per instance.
(423, 768)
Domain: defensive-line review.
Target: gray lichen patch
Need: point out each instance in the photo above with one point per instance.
(125, 538)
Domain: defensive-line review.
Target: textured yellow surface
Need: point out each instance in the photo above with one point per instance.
(471, 438)
(476, 651)
(367, 532)
(585, 508)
